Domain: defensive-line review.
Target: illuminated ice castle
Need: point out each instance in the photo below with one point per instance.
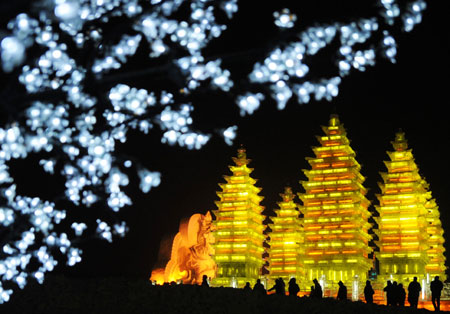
(238, 227)
(409, 229)
(335, 211)
(328, 236)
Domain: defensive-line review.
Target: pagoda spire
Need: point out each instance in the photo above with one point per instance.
(335, 211)
(238, 227)
(286, 240)
(404, 205)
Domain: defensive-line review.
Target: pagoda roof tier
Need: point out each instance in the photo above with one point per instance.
(400, 176)
(287, 212)
(280, 230)
(238, 247)
(223, 258)
(239, 197)
(285, 221)
(388, 257)
(238, 215)
(285, 231)
(402, 248)
(239, 206)
(320, 228)
(248, 181)
(403, 238)
(320, 151)
(400, 209)
(401, 155)
(332, 181)
(344, 236)
(313, 212)
(398, 224)
(238, 235)
(357, 263)
(344, 185)
(342, 208)
(400, 188)
(333, 162)
(333, 139)
(249, 223)
(332, 221)
(285, 236)
(395, 166)
(404, 198)
(331, 253)
(331, 232)
(332, 198)
(222, 232)
(240, 170)
(251, 237)
(281, 255)
(332, 174)
(239, 187)
(285, 246)
(241, 161)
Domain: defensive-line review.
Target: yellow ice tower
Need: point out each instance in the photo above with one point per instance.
(238, 227)
(335, 212)
(410, 235)
(286, 240)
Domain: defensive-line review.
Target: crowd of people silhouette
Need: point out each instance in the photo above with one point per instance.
(395, 293)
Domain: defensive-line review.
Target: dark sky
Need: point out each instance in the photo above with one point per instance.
(373, 105)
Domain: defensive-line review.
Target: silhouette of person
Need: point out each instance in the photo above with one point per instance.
(388, 290)
(312, 293)
(413, 293)
(342, 292)
(394, 297)
(317, 289)
(368, 292)
(436, 287)
(205, 281)
(275, 286)
(259, 287)
(247, 287)
(293, 288)
(401, 295)
(279, 287)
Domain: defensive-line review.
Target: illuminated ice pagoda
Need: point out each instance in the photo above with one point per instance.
(286, 240)
(335, 212)
(238, 227)
(407, 217)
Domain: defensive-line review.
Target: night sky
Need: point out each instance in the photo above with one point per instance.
(411, 94)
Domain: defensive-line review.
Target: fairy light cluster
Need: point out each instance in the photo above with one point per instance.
(79, 133)
(286, 65)
(118, 54)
